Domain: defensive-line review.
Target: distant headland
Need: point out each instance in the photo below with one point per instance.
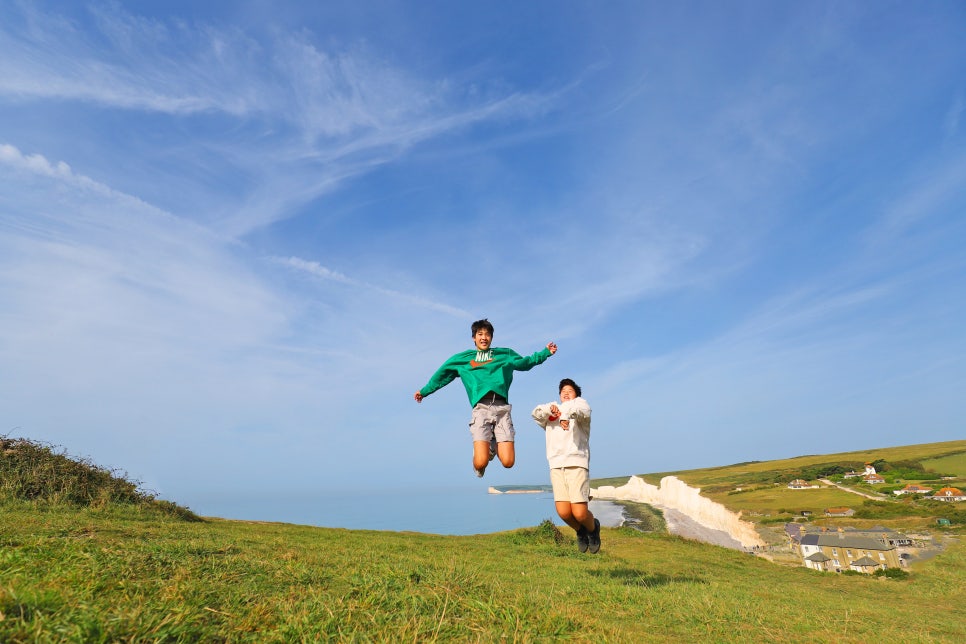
(519, 489)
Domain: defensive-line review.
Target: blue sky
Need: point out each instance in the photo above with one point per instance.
(235, 237)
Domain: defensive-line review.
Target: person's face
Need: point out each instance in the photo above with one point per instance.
(482, 339)
(567, 393)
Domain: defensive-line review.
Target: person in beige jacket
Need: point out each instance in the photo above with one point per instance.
(567, 428)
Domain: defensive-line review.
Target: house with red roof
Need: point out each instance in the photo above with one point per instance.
(949, 494)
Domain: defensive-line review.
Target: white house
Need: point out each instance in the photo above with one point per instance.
(949, 494)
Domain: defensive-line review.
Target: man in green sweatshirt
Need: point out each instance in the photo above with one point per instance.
(486, 373)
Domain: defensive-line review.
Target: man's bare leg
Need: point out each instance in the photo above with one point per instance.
(507, 453)
(481, 456)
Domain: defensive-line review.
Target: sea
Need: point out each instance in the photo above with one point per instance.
(452, 510)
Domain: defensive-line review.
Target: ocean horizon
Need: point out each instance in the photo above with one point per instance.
(456, 510)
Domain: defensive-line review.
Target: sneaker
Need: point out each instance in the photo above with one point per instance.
(492, 449)
(593, 538)
(582, 539)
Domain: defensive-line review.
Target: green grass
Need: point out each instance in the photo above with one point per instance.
(776, 499)
(952, 464)
(89, 567)
(106, 575)
(762, 471)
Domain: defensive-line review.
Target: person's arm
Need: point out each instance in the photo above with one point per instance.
(576, 409)
(526, 364)
(443, 376)
(542, 414)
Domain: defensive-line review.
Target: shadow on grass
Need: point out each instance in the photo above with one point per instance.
(632, 577)
(23, 612)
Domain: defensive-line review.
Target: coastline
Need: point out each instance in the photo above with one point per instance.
(519, 489)
(687, 513)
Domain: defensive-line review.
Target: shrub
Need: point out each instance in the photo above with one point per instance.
(545, 534)
(891, 573)
(32, 471)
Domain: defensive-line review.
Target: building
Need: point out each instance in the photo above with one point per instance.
(868, 471)
(949, 494)
(912, 488)
(835, 552)
(873, 479)
(795, 532)
(839, 512)
(887, 535)
(797, 484)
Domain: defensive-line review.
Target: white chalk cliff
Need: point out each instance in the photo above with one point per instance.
(678, 495)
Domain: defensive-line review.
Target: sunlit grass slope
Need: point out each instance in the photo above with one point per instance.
(88, 575)
(127, 570)
(752, 472)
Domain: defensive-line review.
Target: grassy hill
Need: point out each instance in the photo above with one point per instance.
(941, 457)
(759, 490)
(39, 473)
(127, 571)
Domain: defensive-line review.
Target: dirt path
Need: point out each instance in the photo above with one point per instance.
(868, 496)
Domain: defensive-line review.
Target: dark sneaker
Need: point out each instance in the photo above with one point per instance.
(582, 539)
(593, 538)
(492, 449)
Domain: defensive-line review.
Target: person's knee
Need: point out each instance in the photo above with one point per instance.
(564, 511)
(580, 511)
(507, 453)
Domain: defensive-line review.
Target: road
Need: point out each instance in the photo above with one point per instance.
(868, 496)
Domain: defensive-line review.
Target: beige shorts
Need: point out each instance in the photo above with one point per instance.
(570, 484)
(491, 419)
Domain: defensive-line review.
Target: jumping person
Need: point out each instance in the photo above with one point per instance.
(487, 372)
(567, 427)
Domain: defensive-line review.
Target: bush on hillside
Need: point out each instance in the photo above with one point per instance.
(910, 507)
(547, 534)
(32, 471)
(891, 573)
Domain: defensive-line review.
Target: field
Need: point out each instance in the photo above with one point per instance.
(779, 499)
(954, 464)
(742, 473)
(120, 574)
(86, 557)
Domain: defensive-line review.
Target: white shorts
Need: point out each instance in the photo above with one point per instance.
(570, 484)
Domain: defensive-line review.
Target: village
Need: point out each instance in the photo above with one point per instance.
(864, 551)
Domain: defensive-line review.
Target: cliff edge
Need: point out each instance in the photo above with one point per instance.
(677, 495)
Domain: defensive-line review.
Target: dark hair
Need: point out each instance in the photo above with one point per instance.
(568, 381)
(482, 324)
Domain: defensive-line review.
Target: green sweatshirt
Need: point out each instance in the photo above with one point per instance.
(483, 371)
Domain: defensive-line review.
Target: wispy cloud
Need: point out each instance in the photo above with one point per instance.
(323, 117)
(933, 191)
(142, 262)
(317, 270)
(260, 239)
